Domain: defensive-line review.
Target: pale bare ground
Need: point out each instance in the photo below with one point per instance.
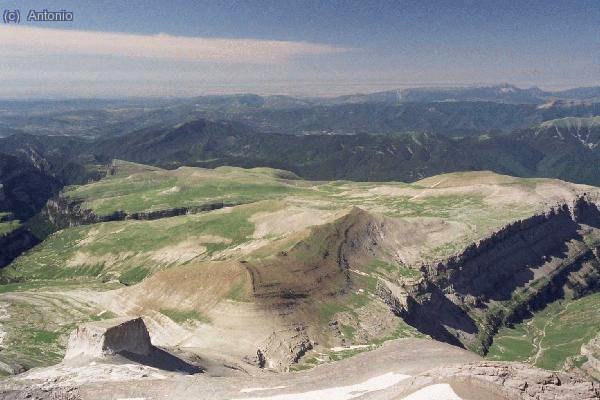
(412, 237)
(288, 219)
(89, 238)
(237, 328)
(491, 193)
(82, 258)
(181, 252)
(174, 189)
(234, 328)
(241, 250)
(163, 330)
(505, 198)
(495, 189)
(76, 375)
(462, 178)
(4, 315)
(554, 190)
(379, 374)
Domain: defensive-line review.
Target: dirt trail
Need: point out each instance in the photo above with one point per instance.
(538, 343)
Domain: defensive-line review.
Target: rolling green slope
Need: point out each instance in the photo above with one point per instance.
(159, 189)
(305, 259)
(552, 336)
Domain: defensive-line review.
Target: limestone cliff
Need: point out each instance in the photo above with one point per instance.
(63, 212)
(502, 278)
(109, 337)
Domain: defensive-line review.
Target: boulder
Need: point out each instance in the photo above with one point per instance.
(108, 337)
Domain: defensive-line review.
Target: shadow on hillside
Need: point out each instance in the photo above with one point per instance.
(163, 360)
(497, 272)
(438, 317)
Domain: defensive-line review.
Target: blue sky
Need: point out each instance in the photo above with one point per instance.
(296, 47)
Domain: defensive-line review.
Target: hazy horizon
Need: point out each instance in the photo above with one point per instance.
(149, 49)
(375, 88)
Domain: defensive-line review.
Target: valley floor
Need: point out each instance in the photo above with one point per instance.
(251, 274)
(553, 337)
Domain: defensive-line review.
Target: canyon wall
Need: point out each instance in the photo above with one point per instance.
(504, 277)
(64, 212)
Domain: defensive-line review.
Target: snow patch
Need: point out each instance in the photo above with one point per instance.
(342, 392)
(357, 346)
(250, 390)
(441, 391)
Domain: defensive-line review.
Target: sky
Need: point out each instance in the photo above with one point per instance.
(188, 48)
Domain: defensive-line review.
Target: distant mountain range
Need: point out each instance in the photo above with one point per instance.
(462, 118)
(504, 93)
(395, 135)
(564, 148)
(457, 111)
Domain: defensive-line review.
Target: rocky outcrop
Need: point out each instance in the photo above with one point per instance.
(12, 368)
(283, 348)
(318, 262)
(464, 299)
(516, 381)
(64, 212)
(14, 243)
(499, 258)
(109, 337)
(400, 297)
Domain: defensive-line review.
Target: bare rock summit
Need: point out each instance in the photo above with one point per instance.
(108, 337)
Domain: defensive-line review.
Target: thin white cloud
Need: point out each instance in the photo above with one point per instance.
(18, 40)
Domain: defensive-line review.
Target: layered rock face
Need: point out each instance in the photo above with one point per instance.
(104, 338)
(283, 348)
(492, 268)
(462, 300)
(64, 212)
(522, 267)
